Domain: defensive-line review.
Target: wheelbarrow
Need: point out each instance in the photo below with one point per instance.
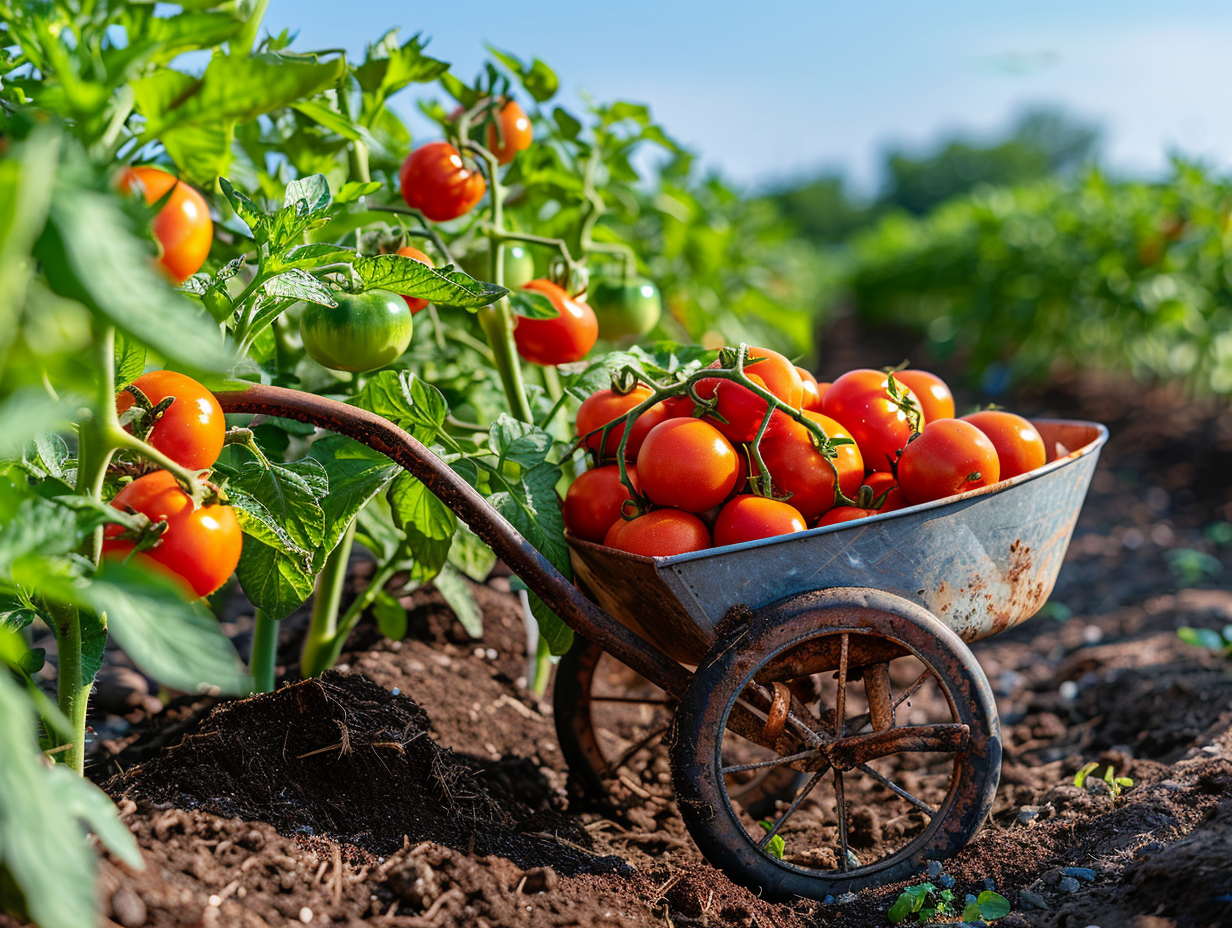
(837, 657)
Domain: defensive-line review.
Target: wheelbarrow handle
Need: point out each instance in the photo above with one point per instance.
(536, 571)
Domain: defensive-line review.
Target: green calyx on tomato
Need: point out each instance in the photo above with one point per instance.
(363, 332)
(626, 308)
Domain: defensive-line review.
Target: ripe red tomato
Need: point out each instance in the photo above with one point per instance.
(562, 339)
(679, 407)
(845, 514)
(604, 406)
(799, 469)
(183, 226)
(687, 464)
(594, 500)
(949, 457)
(199, 546)
(1019, 445)
(191, 430)
(747, 518)
(436, 181)
(414, 303)
(515, 133)
(812, 392)
(880, 427)
(740, 409)
(935, 397)
(778, 374)
(661, 533)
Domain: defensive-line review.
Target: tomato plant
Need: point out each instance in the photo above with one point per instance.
(510, 133)
(949, 457)
(362, 332)
(437, 181)
(604, 406)
(200, 544)
(179, 417)
(414, 304)
(182, 225)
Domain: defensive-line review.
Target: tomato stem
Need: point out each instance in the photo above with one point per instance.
(72, 691)
(264, 652)
(323, 629)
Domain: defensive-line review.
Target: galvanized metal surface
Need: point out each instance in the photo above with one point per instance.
(980, 563)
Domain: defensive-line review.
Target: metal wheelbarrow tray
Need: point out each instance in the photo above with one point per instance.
(980, 562)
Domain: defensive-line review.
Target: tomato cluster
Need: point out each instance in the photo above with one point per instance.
(199, 544)
(870, 442)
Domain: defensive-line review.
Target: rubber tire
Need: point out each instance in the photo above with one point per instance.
(695, 744)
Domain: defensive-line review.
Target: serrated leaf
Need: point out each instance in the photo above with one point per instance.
(470, 555)
(176, 642)
(317, 255)
(406, 400)
(254, 217)
(385, 74)
(23, 415)
(39, 528)
(352, 190)
(521, 442)
(406, 276)
(532, 305)
(356, 474)
(299, 285)
(312, 190)
(272, 581)
(291, 496)
(455, 591)
(129, 360)
(93, 643)
(14, 620)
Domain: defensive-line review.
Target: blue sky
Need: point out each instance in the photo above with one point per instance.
(777, 89)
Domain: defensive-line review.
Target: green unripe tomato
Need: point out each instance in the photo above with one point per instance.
(519, 265)
(363, 332)
(625, 308)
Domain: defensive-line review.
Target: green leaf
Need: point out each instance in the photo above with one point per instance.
(129, 360)
(389, 67)
(427, 522)
(971, 912)
(992, 905)
(272, 581)
(532, 305)
(23, 415)
(520, 442)
(390, 616)
(308, 257)
(470, 555)
(93, 643)
(176, 642)
(539, 80)
(14, 620)
(566, 124)
(247, 210)
(902, 907)
(1201, 637)
(405, 400)
(459, 91)
(89, 255)
(453, 587)
(312, 190)
(400, 274)
(352, 190)
(38, 529)
(42, 847)
(234, 87)
(334, 121)
(299, 285)
(202, 152)
(1081, 776)
(356, 474)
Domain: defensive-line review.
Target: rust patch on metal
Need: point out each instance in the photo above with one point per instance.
(860, 749)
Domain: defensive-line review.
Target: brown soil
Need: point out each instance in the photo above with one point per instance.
(422, 784)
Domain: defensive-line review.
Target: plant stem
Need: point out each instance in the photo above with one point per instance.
(319, 641)
(248, 35)
(355, 611)
(543, 666)
(72, 692)
(264, 653)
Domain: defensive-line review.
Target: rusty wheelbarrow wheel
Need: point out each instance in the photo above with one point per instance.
(885, 711)
(611, 722)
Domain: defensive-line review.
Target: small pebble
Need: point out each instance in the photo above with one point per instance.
(1068, 885)
(1027, 814)
(1035, 900)
(934, 869)
(1068, 690)
(396, 691)
(946, 881)
(847, 898)
(829, 900)
(128, 908)
(1080, 873)
(990, 885)
(492, 654)
(305, 915)
(1051, 877)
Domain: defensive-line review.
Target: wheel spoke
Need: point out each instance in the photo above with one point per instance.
(841, 804)
(795, 804)
(840, 699)
(898, 790)
(620, 761)
(777, 762)
(910, 691)
(802, 728)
